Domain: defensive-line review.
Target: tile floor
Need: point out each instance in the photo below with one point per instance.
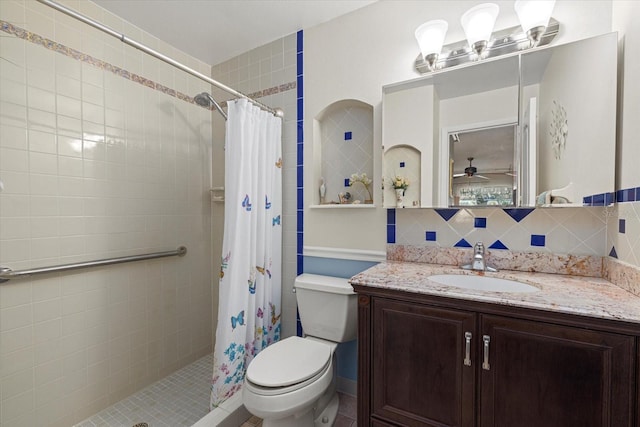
(181, 399)
(346, 414)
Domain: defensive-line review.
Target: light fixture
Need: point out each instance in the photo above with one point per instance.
(478, 23)
(430, 36)
(482, 42)
(534, 17)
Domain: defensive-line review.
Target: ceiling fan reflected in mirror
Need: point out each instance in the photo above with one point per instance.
(470, 171)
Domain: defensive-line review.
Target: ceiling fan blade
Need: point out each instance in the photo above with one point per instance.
(458, 175)
(481, 177)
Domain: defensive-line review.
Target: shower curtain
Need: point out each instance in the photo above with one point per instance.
(250, 274)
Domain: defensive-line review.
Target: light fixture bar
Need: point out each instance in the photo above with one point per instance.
(503, 42)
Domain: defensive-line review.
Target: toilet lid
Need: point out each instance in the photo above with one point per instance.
(288, 362)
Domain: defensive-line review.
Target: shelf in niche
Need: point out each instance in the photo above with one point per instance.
(343, 206)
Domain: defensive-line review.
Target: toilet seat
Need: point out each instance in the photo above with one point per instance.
(288, 365)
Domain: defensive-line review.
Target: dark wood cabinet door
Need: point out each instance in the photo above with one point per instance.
(419, 377)
(547, 375)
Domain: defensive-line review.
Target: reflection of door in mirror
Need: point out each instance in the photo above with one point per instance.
(483, 171)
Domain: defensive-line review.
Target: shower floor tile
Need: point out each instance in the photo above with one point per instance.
(179, 399)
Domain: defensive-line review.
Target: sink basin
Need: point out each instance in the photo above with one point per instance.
(482, 283)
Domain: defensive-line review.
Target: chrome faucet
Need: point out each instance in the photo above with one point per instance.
(478, 263)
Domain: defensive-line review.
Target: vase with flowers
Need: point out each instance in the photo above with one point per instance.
(400, 184)
(366, 183)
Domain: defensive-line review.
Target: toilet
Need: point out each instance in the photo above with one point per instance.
(292, 383)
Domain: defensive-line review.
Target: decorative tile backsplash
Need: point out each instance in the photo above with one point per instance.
(577, 231)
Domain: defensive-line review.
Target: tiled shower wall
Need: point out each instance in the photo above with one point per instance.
(102, 154)
(267, 73)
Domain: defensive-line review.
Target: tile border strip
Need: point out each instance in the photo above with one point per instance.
(34, 38)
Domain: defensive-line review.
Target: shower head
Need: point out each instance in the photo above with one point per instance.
(205, 100)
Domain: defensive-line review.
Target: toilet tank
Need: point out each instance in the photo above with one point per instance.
(327, 307)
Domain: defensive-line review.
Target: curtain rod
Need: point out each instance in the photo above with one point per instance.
(70, 12)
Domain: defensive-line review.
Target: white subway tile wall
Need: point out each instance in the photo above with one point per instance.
(97, 162)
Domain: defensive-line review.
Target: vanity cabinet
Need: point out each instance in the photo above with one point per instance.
(459, 363)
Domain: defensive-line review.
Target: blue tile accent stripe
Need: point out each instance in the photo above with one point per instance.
(518, 214)
(300, 166)
(447, 214)
(627, 195)
(391, 225)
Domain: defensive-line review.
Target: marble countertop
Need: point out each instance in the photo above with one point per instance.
(587, 296)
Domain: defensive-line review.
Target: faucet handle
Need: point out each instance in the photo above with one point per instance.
(478, 248)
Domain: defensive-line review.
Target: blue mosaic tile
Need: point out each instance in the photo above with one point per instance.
(300, 221)
(538, 240)
(480, 222)
(300, 153)
(300, 133)
(619, 196)
(587, 201)
(299, 63)
(518, 214)
(498, 245)
(300, 262)
(300, 199)
(300, 109)
(608, 198)
(598, 200)
(391, 233)
(346, 182)
(300, 175)
(300, 238)
(391, 217)
(462, 244)
(401, 164)
(613, 252)
(447, 214)
(638, 194)
(348, 136)
(629, 195)
(299, 39)
(430, 236)
(300, 86)
(622, 225)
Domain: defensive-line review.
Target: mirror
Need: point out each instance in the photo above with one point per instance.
(481, 166)
(534, 122)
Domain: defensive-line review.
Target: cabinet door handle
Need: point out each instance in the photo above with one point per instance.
(485, 363)
(467, 348)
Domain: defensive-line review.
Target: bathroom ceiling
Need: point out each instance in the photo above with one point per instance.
(216, 30)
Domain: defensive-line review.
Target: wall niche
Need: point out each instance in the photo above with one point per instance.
(343, 160)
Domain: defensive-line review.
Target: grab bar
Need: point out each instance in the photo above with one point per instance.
(7, 274)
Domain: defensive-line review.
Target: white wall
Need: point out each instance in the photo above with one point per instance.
(352, 57)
